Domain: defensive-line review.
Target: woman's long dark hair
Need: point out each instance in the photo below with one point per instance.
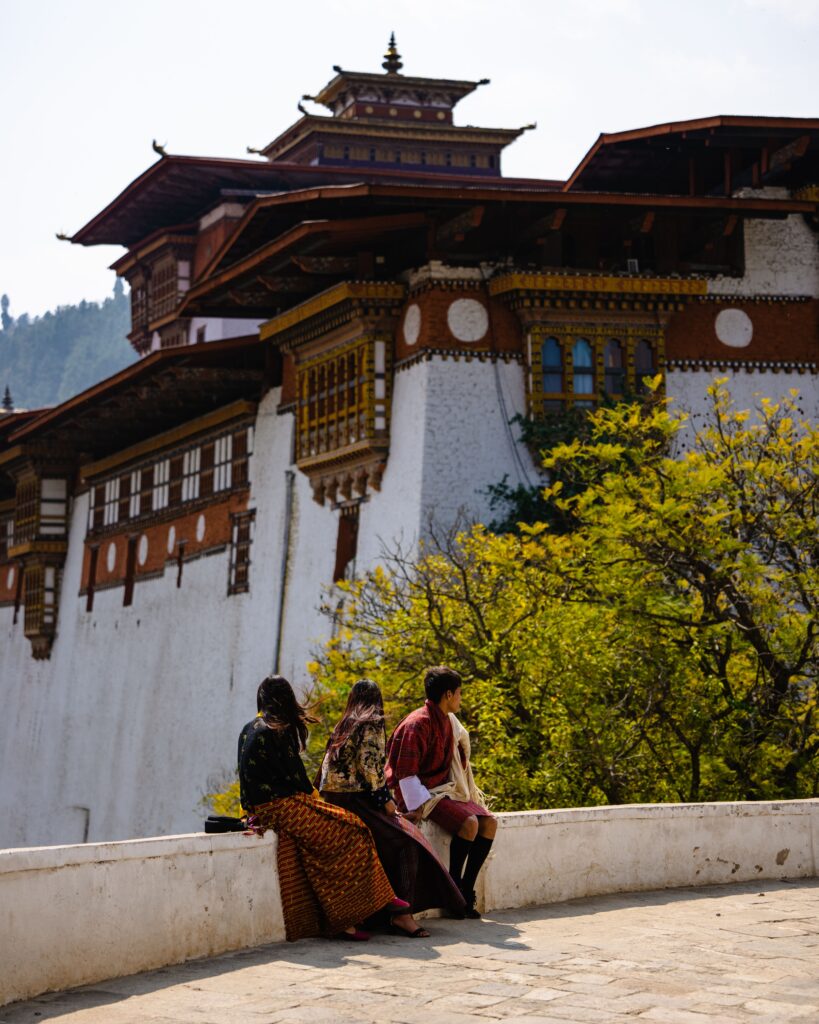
(281, 711)
(365, 704)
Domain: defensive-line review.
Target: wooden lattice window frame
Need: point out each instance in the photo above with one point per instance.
(241, 538)
(170, 480)
(6, 535)
(34, 599)
(343, 398)
(164, 287)
(139, 302)
(598, 335)
(27, 510)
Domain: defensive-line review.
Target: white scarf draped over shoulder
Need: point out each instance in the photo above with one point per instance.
(460, 785)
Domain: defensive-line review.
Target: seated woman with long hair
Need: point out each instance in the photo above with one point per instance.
(352, 777)
(329, 872)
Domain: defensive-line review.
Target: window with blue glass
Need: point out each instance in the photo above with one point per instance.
(551, 361)
(583, 372)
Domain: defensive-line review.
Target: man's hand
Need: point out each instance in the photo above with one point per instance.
(413, 816)
(390, 808)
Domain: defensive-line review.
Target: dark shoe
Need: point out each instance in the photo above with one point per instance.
(470, 911)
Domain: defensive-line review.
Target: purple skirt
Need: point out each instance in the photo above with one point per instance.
(414, 869)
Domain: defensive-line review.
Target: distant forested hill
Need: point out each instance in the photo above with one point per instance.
(50, 358)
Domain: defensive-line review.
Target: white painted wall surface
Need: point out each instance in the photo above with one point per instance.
(781, 256)
(393, 514)
(688, 389)
(75, 915)
(313, 534)
(136, 714)
(220, 328)
(468, 440)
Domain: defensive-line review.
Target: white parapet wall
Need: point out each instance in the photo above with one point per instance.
(73, 915)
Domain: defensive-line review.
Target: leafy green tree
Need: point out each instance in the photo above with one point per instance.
(663, 648)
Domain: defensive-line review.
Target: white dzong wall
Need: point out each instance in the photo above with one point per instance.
(135, 716)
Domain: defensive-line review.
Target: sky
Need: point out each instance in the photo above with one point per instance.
(87, 84)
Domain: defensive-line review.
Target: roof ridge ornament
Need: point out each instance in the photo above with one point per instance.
(392, 58)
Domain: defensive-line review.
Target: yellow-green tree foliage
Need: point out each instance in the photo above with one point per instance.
(664, 649)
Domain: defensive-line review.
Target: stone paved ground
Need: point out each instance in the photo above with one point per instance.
(694, 956)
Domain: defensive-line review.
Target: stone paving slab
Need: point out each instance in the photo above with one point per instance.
(720, 955)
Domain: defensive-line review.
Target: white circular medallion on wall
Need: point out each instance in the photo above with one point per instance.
(734, 328)
(142, 550)
(200, 528)
(10, 578)
(171, 539)
(412, 323)
(467, 319)
(111, 556)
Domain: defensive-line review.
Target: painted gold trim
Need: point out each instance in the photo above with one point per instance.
(596, 283)
(38, 547)
(808, 193)
(345, 291)
(234, 411)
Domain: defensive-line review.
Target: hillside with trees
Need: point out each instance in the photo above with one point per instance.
(47, 359)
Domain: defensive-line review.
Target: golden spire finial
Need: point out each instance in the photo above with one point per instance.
(392, 58)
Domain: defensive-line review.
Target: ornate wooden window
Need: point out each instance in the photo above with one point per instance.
(570, 364)
(164, 294)
(6, 535)
(614, 368)
(549, 378)
(135, 494)
(27, 510)
(342, 398)
(110, 513)
(242, 526)
(191, 474)
(161, 491)
(40, 582)
(223, 463)
(583, 372)
(139, 303)
(34, 597)
(191, 462)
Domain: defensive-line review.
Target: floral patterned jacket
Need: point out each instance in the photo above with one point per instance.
(358, 765)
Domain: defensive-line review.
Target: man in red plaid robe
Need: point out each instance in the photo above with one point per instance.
(419, 756)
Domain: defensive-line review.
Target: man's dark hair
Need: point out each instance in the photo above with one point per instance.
(439, 679)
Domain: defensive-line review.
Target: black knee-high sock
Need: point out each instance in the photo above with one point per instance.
(458, 850)
(478, 853)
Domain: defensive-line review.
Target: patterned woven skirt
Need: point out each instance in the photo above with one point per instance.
(329, 873)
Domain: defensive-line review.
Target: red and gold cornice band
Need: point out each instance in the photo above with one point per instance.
(596, 290)
(303, 318)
